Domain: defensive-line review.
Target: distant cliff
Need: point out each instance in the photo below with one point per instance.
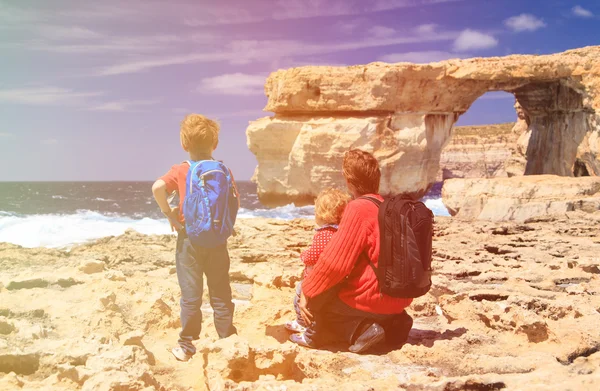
(480, 151)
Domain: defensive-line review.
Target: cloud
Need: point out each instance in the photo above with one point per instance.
(56, 96)
(112, 44)
(50, 141)
(247, 51)
(10, 15)
(123, 105)
(420, 57)
(197, 14)
(6, 135)
(46, 96)
(524, 22)
(233, 84)
(386, 5)
(44, 12)
(381, 31)
(48, 29)
(68, 32)
(581, 12)
(348, 27)
(144, 65)
(474, 40)
(298, 9)
(426, 28)
(222, 15)
(52, 30)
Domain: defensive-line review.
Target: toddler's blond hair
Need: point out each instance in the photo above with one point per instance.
(330, 205)
(199, 134)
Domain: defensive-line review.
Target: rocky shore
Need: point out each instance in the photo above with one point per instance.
(514, 306)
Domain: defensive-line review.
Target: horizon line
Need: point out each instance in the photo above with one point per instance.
(95, 181)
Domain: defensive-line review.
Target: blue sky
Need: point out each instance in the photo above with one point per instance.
(95, 90)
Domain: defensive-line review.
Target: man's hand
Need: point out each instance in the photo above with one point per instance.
(173, 216)
(303, 304)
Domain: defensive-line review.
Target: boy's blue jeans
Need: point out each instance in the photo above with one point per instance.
(191, 264)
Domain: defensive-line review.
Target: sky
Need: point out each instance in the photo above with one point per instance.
(95, 90)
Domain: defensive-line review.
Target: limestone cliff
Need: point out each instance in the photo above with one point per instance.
(299, 156)
(480, 151)
(404, 114)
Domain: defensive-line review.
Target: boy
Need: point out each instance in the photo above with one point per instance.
(199, 137)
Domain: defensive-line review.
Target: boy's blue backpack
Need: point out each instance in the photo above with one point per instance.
(211, 203)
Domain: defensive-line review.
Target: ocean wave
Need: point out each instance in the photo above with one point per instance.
(60, 231)
(287, 212)
(64, 230)
(58, 197)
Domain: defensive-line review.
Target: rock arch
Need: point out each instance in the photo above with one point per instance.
(404, 114)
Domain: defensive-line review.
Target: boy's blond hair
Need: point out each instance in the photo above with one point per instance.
(330, 205)
(199, 134)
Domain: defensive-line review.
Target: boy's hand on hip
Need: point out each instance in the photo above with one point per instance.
(173, 217)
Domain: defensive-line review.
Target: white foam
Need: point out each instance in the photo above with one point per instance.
(437, 206)
(59, 231)
(287, 212)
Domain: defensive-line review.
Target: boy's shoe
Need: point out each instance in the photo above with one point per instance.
(294, 327)
(369, 338)
(180, 354)
(300, 339)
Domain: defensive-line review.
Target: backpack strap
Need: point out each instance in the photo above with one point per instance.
(371, 199)
(229, 180)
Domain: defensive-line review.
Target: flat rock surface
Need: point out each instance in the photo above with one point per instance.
(513, 306)
(520, 198)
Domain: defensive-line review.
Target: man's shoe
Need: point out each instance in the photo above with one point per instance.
(369, 338)
(397, 333)
(180, 354)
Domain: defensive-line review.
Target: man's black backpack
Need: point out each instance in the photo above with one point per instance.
(406, 234)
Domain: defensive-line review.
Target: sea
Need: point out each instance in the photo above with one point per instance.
(63, 214)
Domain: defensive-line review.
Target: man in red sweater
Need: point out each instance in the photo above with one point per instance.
(342, 290)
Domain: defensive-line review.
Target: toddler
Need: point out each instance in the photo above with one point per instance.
(329, 207)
